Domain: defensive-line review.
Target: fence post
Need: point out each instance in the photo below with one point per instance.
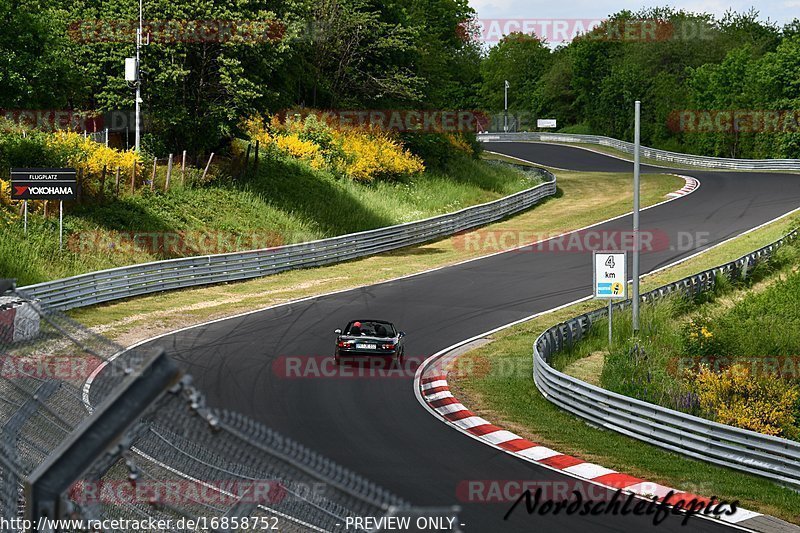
(106, 136)
(207, 165)
(246, 159)
(183, 169)
(153, 177)
(169, 173)
(103, 183)
(255, 163)
(116, 184)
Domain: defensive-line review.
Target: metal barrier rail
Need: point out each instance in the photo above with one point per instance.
(651, 153)
(146, 278)
(772, 457)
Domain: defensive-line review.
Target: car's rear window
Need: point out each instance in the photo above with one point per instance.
(371, 329)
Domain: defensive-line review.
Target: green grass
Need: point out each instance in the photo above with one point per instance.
(285, 202)
(495, 382)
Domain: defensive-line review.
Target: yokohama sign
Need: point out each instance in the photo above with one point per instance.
(43, 184)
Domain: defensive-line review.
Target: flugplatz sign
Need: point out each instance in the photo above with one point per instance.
(44, 184)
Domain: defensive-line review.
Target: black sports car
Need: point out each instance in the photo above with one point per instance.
(371, 338)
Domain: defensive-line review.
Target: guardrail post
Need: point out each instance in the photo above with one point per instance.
(95, 437)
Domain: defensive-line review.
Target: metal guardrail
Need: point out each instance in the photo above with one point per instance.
(651, 153)
(146, 278)
(772, 457)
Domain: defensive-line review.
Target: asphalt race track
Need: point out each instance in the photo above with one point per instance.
(375, 426)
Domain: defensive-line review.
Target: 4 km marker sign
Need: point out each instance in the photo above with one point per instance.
(609, 275)
(610, 280)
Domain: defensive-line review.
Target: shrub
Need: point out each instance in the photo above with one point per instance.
(298, 148)
(735, 397)
(699, 339)
(438, 149)
(362, 154)
(374, 155)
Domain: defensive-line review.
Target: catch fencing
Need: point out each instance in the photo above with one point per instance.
(124, 282)
(650, 153)
(748, 451)
(182, 459)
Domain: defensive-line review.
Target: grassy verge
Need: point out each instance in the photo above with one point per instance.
(583, 199)
(686, 358)
(285, 202)
(511, 400)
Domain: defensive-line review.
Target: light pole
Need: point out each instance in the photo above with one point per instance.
(505, 107)
(635, 296)
(137, 134)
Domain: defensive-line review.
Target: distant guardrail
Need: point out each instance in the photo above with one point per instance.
(772, 457)
(651, 153)
(146, 278)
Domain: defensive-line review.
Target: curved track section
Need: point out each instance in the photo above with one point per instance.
(272, 364)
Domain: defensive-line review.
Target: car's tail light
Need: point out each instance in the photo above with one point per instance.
(387, 346)
(344, 344)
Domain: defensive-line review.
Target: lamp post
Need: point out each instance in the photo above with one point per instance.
(505, 107)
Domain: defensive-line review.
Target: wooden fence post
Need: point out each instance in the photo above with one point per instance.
(183, 170)
(207, 165)
(169, 173)
(153, 177)
(116, 184)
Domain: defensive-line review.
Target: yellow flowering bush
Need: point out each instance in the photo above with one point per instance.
(90, 157)
(256, 129)
(735, 397)
(459, 143)
(298, 148)
(5, 192)
(374, 155)
(362, 154)
(699, 339)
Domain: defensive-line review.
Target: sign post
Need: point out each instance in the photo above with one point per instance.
(609, 279)
(25, 223)
(45, 184)
(636, 150)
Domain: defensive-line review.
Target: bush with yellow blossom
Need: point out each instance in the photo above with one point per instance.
(362, 154)
(735, 397)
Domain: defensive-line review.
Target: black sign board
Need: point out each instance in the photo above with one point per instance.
(44, 184)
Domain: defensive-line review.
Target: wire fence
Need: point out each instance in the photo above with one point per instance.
(181, 459)
(748, 451)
